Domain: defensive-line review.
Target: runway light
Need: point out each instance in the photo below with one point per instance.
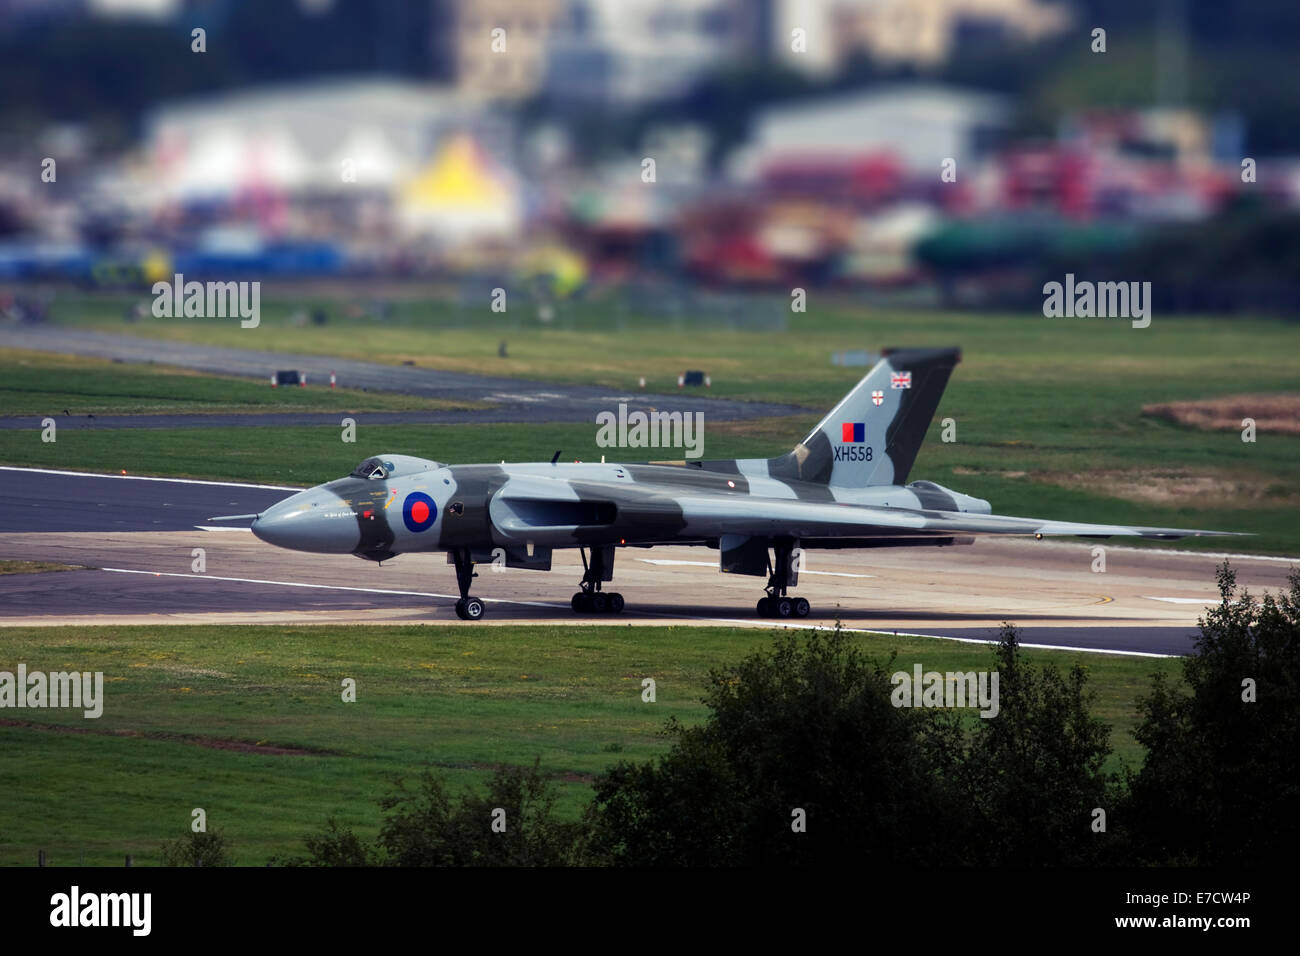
(124, 471)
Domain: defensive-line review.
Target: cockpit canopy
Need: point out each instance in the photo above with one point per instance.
(379, 467)
(371, 468)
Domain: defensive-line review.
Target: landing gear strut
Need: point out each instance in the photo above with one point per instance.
(467, 608)
(591, 599)
(783, 575)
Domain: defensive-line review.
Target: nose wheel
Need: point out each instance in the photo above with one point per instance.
(467, 608)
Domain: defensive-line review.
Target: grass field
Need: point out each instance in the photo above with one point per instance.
(39, 383)
(248, 722)
(612, 342)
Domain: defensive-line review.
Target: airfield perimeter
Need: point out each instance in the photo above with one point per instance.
(135, 538)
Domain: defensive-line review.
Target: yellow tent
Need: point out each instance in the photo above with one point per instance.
(461, 192)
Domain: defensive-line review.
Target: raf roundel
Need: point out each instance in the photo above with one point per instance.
(419, 511)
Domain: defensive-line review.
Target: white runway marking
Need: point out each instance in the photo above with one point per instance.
(214, 527)
(941, 637)
(324, 587)
(742, 622)
(699, 564)
(1177, 600)
(711, 564)
(1195, 554)
(175, 481)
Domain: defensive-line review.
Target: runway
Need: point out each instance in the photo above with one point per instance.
(139, 535)
(504, 399)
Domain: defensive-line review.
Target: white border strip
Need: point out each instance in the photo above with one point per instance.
(1185, 552)
(176, 481)
(324, 587)
(744, 622)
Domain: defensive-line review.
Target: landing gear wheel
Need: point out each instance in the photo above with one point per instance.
(783, 607)
(801, 607)
(764, 607)
(469, 609)
(590, 599)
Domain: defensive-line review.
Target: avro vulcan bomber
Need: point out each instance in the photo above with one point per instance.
(844, 486)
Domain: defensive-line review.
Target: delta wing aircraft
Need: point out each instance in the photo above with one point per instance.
(844, 486)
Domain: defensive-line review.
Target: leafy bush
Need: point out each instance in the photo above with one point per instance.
(810, 725)
(1221, 781)
(197, 849)
(429, 826)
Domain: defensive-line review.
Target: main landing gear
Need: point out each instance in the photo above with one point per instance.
(467, 608)
(784, 575)
(591, 599)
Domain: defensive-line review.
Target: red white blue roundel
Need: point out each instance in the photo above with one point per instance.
(418, 511)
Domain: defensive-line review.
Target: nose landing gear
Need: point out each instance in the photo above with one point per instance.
(467, 608)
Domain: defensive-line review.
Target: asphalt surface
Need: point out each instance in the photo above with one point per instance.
(61, 502)
(139, 534)
(509, 399)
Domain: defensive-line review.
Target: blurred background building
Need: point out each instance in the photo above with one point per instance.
(961, 149)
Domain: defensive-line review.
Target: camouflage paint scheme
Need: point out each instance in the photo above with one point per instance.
(827, 492)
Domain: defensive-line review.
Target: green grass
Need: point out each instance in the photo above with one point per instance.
(455, 698)
(33, 567)
(312, 454)
(1060, 365)
(38, 383)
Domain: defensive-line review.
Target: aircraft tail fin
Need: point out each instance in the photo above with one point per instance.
(873, 435)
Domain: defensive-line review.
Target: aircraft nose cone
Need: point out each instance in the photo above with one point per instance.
(309, 521)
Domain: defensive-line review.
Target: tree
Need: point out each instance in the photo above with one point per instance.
(808, 727)
(811, 725)
(1032, 776)
(1221, 781)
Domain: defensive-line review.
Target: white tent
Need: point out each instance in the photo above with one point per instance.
(210, 166)
(373, 159)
